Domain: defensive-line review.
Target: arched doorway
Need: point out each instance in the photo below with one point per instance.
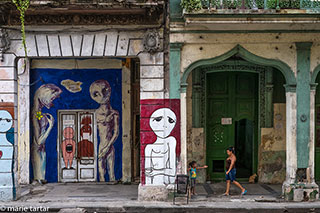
(258, 77)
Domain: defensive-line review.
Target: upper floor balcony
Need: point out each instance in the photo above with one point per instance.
(245, 15)
(250, 6)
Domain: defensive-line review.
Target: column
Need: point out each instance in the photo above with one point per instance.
(175, 57)
(311, 173)
(183, 111)
(269, 98)
(299, 184)
(291, 134)
(303, 103)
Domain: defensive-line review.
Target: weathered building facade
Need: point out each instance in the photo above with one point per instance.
(247, 73)
(71, 108)
(99, 98)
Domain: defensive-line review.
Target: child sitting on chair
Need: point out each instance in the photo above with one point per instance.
(193, 175)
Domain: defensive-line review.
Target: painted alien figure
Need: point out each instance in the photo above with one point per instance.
(42, 125)
(108, 126)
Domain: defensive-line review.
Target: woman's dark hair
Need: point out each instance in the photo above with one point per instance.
(231, 149)
(191, 163)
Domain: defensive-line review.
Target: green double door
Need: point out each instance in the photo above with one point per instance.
(231, 120)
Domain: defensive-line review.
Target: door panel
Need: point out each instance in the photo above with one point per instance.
(232, 96)
(68, 149)
(77, 144)
(85, 157)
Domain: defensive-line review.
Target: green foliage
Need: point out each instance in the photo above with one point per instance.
(260, 4)
(22, 6)
(191, 5)
(316, 4)
(271, 4)
(289, 4)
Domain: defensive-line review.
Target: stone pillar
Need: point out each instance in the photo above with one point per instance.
(299, 184)
(183, 111)
(311, 177)
(291, 134)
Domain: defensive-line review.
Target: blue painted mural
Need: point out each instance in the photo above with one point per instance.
(87, 89)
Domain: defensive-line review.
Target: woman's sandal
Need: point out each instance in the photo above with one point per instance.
(225, 194)
(244, 192)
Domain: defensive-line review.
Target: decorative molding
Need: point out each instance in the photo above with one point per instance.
(290, 87)
(4, 43)
(231, 67)
(262, 96)
(151, 41)
(85, 19)
(313, 86)
(303, 45)
(176, 46)
(183, 87)
(72, 13)
(247, 56)
(269, 87)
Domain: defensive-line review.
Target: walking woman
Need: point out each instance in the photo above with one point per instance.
(231, 172)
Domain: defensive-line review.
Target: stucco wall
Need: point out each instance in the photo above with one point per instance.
(280, 46)
(272, 149)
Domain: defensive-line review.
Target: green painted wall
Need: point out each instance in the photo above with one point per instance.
(175, 9)
(175, 56)
(303, 103)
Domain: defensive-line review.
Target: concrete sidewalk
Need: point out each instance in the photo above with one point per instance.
(102, 197)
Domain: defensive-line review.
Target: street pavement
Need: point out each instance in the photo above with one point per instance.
(103, 197)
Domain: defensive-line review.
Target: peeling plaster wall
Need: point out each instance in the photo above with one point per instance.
(196, 146)
(272, 149)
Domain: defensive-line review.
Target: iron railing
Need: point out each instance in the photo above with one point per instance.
(89, 2)
(260, 4)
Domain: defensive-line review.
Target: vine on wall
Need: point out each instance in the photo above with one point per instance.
(191, 5)
(22, 6)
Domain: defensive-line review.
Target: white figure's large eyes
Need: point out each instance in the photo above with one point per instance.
(170, 120)
(6, 119)
(158, 119)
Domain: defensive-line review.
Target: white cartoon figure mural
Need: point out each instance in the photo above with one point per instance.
(108, 126)
(42, 125)
(6, 156)
(160, 157)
